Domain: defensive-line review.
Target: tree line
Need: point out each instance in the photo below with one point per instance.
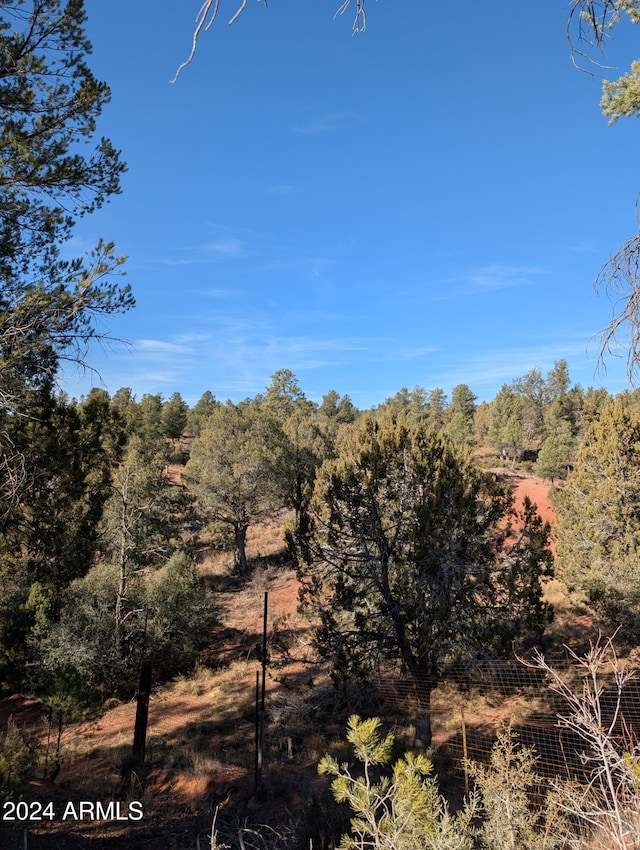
(409, 551)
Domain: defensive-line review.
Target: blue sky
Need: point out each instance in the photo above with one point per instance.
(425, 203)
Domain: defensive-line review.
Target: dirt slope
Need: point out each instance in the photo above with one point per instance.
(201, 730)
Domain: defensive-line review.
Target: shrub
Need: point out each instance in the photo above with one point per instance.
(18, 759)
(402, 811)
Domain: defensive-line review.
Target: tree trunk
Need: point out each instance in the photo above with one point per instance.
(240, 564)
(122, 578)
(120, 600)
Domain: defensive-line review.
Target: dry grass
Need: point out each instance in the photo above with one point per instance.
(265, 544)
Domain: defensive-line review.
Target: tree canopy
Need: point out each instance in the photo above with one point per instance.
(56, 456)
(49, 104)
(598, 533)
(411, 556)
(234, 470)
(51, 173)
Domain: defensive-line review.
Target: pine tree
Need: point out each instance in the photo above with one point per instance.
(461, 414)
(174, 416)
(205, 405)
(49, 104)
(51, 173)
(506, 431)
(402, 811)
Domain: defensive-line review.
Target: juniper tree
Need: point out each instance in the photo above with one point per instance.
(506, 432)
(598, 509)
(558, 451)
(234, 470)
(412, 557)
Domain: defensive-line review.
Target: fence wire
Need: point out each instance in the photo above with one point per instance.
(469, 710)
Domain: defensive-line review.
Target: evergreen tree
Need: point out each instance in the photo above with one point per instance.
(558, 381)
(482, 423)
(284, 395)
(531, 389)
(598, 510)
(410, 557)
(304, 447)
(51, 535)
(463, 401)
(336, 409)
(402, 811)
(55, 457)
(174, 416)
(149, 425)
(555, 458)
(180, 616)
(506, 431)
(140, 524)
(234, 470)
(203, 408)
(332, 413)
(436, 408)
(594, 402)
(461, 414)
(49, 104)
(303, 441)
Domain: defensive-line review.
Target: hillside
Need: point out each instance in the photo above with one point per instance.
(200, 748)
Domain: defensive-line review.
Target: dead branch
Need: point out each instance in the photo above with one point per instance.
(620, 279)
(588, 28)
(209, 12)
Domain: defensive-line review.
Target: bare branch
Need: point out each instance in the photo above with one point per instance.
(620, 278)
(588, 28)
(360, 20)
(608, 803)
(209, 11)
(200, 22)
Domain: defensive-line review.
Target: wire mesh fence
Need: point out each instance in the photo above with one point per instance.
(468, 711)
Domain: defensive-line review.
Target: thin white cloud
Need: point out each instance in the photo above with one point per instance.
(78, 245)
(191, 337)
(283, 189)
(500, 276)
(418, 351)
(225, 246)
(171, 377)
(160, 346)
(583, 248)
(221, 293)
(502, 366)
(315, 265)
(328, 122)
(174, 261)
